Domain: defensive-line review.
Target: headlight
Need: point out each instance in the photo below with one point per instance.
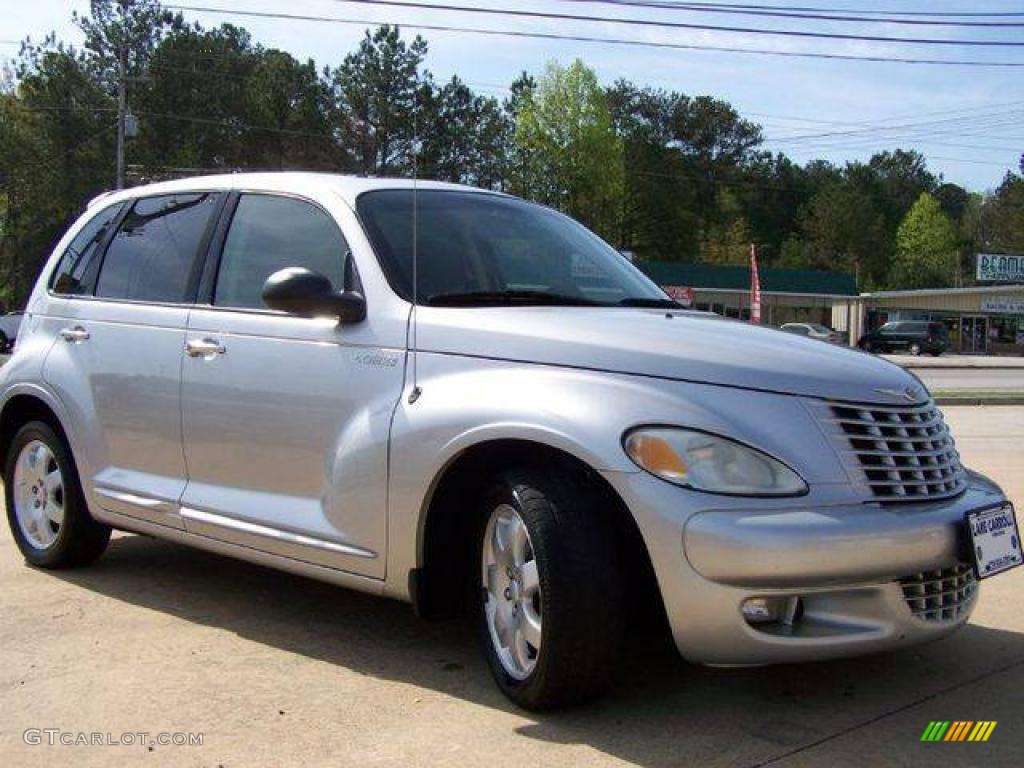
(709, 463)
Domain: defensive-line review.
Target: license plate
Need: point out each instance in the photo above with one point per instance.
(995, 540)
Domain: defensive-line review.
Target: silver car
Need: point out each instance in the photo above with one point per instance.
(541, 437)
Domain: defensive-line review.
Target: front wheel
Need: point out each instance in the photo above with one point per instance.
(551, 607)
(915, 349)
(45, 505)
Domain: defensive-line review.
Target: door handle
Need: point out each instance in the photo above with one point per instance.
(207, 348)
(74, 334)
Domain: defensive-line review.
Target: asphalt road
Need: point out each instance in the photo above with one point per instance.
(277, 670)
(952, 379)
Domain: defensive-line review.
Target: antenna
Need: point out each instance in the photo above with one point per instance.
(414, 395)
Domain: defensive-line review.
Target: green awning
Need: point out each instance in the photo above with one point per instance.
(820, 282)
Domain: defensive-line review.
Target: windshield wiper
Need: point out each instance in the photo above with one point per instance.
(638, 301)
(478, 298)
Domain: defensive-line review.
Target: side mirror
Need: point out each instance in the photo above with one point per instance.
(303, 292)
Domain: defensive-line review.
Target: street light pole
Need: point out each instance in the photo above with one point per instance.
(121, 110)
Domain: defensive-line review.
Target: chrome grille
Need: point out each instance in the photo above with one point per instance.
(942, 595)
(902, 453)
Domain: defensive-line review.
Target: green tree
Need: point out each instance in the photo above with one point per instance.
(840, 228)
(1002, 217)
(120, 36)
(463, 136)
(56, 143)
(290, 104)
(193, 103)
(926, 247)
(569, 153)
(379, 92)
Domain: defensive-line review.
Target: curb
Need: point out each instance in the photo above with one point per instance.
(976, 398)
(958, 367)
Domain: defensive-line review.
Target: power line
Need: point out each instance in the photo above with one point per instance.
(822, 15)
(600, 40)
(952, 118)
(818, 9)
(549, 16)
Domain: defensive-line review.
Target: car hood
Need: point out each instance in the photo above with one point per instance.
(676, 345)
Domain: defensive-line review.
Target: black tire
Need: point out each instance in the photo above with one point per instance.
(80, 539)
(914, 349)
(582, 596)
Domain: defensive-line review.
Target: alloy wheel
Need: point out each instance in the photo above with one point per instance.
(511, 592)
(38, 494)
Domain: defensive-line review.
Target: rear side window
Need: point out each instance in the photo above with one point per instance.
(269, 233)
(152, 255)
(76, 272)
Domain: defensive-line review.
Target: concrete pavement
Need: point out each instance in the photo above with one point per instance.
(277, 670)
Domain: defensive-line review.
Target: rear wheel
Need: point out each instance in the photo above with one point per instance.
(550, 610)
(915, 349)
(45, 505)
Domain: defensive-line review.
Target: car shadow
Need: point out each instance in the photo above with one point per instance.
(662, 711)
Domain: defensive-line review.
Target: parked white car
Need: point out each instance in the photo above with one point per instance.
(237, 363)
(814, 331)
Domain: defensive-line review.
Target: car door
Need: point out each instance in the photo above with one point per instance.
(285, 421)
(121, 296)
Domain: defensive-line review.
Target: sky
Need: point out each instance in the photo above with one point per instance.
(861, 107)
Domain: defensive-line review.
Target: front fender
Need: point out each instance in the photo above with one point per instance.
(466, 401)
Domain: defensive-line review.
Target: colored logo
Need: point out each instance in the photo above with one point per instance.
(958, 730)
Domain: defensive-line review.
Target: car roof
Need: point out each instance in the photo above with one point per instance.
(294, 182)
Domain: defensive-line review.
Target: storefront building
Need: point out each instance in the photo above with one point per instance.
(982, 320)
(787, 295)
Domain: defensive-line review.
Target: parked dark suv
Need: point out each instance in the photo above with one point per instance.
(9, 325)
(913, 336)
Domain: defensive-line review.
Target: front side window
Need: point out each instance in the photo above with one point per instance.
(474, 249)
(153, 253)
(269, 233)
(76, 272)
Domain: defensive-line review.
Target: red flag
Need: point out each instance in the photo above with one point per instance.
(755, 288)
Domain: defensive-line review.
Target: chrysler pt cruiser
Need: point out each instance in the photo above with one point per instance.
(466, 401)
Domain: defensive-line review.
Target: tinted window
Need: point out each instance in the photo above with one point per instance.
(152, 255)
(469, 242)
(268, 234)
(76, 273)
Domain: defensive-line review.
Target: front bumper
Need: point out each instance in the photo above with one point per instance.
(844, 562)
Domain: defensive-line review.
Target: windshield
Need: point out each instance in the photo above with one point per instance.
(479, 249)
(818, 328)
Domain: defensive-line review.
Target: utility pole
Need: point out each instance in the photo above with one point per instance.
(121, 110)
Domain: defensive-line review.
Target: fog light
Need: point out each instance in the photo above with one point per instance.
(771, 610)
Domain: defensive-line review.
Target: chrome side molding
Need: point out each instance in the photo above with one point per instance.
(147, 502)
(209, 518)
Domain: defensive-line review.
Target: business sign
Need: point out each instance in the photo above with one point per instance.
(1004, 305)
(680, 294)
(1000, 267)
